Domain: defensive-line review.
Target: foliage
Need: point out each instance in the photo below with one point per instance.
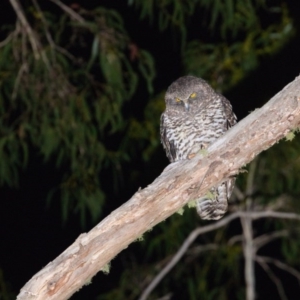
(65, 98)
(239, 35)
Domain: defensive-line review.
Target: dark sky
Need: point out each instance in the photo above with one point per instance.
(32, 234)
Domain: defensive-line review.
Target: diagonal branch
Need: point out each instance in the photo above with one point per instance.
(176, 186)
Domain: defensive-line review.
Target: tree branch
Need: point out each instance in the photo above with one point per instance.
(178, 184)
(69, 11)
(21, 16)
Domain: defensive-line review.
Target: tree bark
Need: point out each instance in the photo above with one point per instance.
(179, 183)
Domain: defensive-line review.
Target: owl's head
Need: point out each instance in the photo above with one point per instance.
(188, 94)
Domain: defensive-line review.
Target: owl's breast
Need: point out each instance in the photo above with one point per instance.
(189, 134)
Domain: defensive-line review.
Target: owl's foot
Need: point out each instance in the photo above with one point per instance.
(211, 209)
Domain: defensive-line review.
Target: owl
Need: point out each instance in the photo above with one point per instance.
(195, 116)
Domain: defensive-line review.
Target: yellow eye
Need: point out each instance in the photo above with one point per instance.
(177, 100)
(193, 95)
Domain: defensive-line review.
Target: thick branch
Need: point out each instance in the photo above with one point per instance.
(178, 184)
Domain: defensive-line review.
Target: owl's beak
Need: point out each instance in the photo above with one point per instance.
(187, 106)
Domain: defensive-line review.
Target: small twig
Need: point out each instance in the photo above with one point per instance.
(10, 36)
(267, 238)
(273, 277)
(69, 11)
(279, 264)
(235, 239)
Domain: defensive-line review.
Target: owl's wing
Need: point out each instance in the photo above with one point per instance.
(229, 114)
(231, 120)
(168, 144)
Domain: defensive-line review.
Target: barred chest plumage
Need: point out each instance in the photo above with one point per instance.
(191, 133)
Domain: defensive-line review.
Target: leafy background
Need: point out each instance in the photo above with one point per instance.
(81, 93)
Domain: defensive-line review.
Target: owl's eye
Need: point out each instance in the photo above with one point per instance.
(193, 95)
(177, 100)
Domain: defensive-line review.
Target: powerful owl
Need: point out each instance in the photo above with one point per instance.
(195, 117)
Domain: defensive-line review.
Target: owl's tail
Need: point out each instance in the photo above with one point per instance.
(214, 204)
